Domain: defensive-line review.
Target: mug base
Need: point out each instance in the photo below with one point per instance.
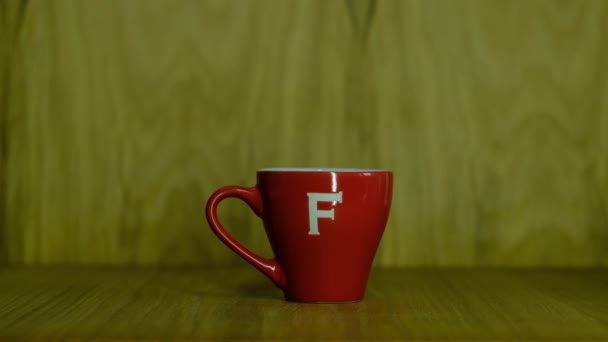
(295, 300)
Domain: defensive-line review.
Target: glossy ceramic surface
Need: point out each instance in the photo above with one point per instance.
(324, 226)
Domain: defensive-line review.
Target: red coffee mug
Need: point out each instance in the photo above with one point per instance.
(324, 226)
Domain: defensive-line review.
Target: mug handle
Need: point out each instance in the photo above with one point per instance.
(253, 198)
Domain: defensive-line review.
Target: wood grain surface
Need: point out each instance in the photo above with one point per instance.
(122, 304)
(10, 18)
(4, 72)
(128, 114)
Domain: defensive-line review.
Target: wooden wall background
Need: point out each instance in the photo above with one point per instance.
(119, 118)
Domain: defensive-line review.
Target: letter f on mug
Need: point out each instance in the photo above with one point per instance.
(313, 211)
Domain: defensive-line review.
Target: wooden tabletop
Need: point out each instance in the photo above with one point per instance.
(455, 304)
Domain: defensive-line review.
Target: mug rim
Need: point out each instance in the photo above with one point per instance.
(318, 169)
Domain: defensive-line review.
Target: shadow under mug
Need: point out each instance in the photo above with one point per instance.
(324, 227)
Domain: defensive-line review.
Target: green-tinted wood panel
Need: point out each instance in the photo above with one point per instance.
(128, 114)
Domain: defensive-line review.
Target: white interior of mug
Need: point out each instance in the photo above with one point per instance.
(304, 169)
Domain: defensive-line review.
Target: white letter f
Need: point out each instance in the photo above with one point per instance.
(313, 211)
